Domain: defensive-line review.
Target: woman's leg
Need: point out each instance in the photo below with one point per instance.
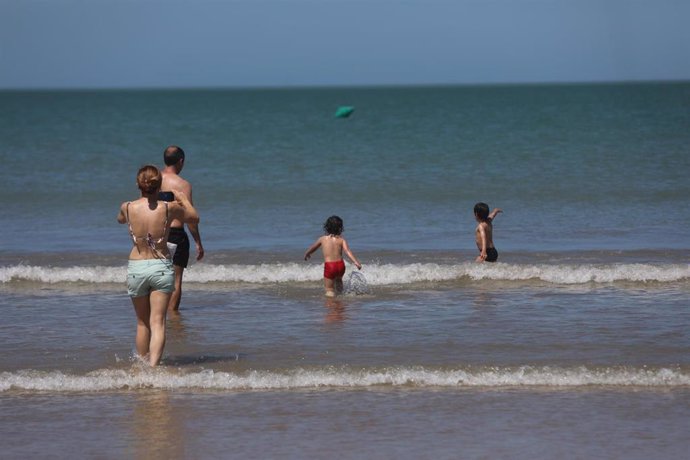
(143, 310)
(159, 308)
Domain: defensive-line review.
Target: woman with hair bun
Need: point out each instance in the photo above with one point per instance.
(150, 275)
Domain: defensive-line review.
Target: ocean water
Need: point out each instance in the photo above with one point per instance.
(574, 345)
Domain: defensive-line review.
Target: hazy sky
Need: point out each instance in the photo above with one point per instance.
(158, 43)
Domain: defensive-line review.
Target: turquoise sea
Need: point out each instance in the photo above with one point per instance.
(574, 345)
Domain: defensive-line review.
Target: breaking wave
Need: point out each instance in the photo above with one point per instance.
(344, 378)
(375, 274)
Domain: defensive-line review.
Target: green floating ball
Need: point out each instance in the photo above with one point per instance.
(344, 111)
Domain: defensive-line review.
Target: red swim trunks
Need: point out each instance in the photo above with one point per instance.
(333, 270)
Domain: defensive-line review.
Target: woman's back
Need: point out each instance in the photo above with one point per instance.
(149, 222)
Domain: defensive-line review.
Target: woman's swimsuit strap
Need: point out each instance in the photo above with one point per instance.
(148, 238)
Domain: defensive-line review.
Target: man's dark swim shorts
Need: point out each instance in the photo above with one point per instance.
(180, 238)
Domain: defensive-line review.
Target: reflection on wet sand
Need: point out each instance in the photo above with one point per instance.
(158, 430)
(335, 310)
(483, 299)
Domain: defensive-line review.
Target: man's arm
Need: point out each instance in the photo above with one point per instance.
(194, 230)
(185, 210)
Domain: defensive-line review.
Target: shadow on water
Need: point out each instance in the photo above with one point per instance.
(202, 359)
(176, 326)
(178, 331)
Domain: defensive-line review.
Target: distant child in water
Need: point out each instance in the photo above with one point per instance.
(332, 245)
(484, 232)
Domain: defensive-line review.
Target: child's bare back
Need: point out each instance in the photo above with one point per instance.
(332, 247)
(484, 231)
(484, 234)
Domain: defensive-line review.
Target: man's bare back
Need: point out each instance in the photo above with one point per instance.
(172, 181)
(174, 157)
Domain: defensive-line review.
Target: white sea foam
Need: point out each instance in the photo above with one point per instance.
(344, 378)
(88, 274)
(376, 274)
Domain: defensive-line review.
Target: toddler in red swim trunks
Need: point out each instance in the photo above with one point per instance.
(332, 245)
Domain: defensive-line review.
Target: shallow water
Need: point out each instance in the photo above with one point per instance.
(575, 344)
(351, 424)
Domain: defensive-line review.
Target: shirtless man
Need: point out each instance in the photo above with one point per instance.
(484, 232)
(332, 245)
(173, 156)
